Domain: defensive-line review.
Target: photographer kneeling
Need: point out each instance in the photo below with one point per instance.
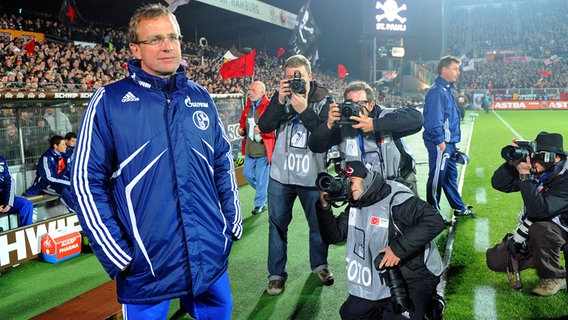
(384, 217)
(538, 171)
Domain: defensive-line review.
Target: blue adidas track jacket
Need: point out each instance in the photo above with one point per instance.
(155, 187)
(441, 116)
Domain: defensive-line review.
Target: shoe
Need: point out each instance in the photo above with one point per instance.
(549, 287)
(326, 277)
(258, 210)
(467, 212)
(275, 287)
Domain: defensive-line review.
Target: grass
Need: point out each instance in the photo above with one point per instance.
(36, 286)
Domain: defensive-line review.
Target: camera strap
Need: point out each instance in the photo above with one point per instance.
(513, 273)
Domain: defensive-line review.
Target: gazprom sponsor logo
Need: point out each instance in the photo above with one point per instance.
(190, 104)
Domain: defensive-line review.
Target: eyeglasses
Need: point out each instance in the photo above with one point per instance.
(159, 40)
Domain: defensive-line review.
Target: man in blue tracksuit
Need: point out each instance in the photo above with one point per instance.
(441, 133)
(52, 171)
(154, 183)
(8, 201)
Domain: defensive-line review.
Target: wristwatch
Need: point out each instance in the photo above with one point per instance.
(525, 177)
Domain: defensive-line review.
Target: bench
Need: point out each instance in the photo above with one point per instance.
(42, 198)
(98, 303)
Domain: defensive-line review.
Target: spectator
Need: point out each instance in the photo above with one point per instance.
(58, 121)
(257, 147)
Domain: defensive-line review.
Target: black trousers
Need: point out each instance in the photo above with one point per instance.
(420, 292)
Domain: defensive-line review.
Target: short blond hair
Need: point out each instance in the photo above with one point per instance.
(148, 12)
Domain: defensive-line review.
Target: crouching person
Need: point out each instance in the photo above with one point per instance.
(541, 178)
(389, 229)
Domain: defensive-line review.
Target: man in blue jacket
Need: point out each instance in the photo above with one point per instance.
(9, 203)
(52, 171)
(154, 182)
(441, 133)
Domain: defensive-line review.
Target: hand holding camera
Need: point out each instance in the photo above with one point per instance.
(392, 276)
(296, 90)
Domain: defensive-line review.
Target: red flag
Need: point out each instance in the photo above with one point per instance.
(545, 73)
(30, 46)
(69, 14)
(342, 71)
(280, 52)
(240, 67)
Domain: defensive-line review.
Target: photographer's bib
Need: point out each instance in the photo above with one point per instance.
(293, 162)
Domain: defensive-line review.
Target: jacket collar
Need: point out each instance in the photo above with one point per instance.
(444, 83)
(149, 81)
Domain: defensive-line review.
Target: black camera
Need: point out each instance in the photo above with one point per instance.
(392, 276)
(524, 149)
(337, 188)
(347, 109)
(298, 85)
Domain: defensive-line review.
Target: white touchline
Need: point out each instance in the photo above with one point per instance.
(481, 234)
(480, 195)
(484, 303)
(480, 172)
(515, 133)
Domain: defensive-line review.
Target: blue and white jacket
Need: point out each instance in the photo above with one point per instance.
(49, 179)
(155, 187)
(441, 116)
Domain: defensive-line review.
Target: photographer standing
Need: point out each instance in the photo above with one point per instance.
(296, 109)
(384, 217)
(372, 135)
(542, 232)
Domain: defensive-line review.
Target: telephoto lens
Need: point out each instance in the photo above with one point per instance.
(393, 278)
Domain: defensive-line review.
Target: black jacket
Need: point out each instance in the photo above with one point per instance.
(400, 123)
(276, 113)
(418, 221)
(542, 205)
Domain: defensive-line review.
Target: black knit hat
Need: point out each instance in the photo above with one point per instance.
(355, 169)
(551, 142)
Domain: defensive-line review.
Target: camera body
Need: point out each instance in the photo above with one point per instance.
(298, 85)
(347, 109)
(393, 278)
(524, 149)
(338, 188)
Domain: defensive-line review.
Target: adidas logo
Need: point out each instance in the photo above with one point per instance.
(130, 97)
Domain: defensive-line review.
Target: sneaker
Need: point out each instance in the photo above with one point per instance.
(467, 212)
(258, 210)
(275, 287)
(549, 287)
(326, 277)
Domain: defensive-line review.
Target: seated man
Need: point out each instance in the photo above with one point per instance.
(9, 203)
(70, 142)
(52, 173)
